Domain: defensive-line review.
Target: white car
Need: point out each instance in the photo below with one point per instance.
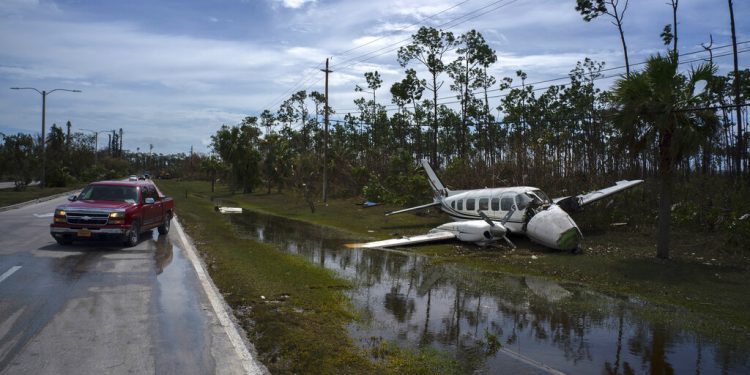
(133, 178)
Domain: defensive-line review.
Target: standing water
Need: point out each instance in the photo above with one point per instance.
(499, 323)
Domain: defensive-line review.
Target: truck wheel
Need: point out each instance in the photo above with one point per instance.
(164, 228)
(131, 237)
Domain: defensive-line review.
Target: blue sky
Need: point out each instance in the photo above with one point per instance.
(170, 73)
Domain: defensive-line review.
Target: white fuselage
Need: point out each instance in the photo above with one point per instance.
(546, 224)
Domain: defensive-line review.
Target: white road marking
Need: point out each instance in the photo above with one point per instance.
(9, 272)
(45, 215)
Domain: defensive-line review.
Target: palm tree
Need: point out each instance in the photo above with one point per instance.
(659, 106)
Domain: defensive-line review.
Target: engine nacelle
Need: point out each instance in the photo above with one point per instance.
(477, 231)
(554, 228)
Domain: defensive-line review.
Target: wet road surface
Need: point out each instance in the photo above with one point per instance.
(93, 308)
(497, 323)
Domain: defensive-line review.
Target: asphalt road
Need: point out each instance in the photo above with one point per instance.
(93, 308)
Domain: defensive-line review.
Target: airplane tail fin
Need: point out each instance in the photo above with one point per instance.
(435, 183)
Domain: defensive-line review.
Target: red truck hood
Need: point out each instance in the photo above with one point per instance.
(89, 204)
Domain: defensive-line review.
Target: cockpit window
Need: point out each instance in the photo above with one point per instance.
(542, 196)
(522, 201)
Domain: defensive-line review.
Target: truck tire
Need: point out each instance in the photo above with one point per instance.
(164, 227)
(133, 235)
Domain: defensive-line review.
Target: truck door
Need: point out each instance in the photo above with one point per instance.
(151, 212)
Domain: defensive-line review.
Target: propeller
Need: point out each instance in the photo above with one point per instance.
(496, 230)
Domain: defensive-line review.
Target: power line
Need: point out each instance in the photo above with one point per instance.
(495, 5)
(402, 29)
(310, 74)
(390, 48)
(392, 107)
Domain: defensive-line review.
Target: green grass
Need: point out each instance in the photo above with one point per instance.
(295, 312)
(9, 196)
(703, 276)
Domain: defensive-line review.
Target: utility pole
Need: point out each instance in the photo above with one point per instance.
(120, 147)
(43, 93)
(325, 138)
(740, 144)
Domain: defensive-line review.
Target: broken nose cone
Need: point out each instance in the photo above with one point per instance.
(554, 228)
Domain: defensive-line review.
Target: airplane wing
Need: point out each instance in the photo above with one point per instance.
(412, 240)
(575, 203)
(422, 207)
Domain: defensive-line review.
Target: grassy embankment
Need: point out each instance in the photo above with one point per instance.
(9, 196)
(294, 312)
(703, 276)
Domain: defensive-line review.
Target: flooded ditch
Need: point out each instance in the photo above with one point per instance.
(500, 323)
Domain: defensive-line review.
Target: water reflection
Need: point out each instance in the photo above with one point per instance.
(494, 322)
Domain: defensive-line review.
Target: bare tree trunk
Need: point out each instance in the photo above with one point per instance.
(618, 22)
(665, 195)
(740, 144)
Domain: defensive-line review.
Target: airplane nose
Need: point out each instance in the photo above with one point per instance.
(554, 228)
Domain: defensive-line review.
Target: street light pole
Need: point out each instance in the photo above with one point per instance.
(44, 94)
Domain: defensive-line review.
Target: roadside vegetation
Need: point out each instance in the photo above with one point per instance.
(704, 276)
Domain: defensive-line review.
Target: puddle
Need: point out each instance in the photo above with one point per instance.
(180, 339)
(494, 322)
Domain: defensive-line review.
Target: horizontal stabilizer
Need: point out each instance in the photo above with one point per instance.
(413, 240)
(422, 207)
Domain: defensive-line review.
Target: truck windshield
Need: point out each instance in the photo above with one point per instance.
(126, 194)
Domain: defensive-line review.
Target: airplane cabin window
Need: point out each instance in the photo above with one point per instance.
(461, 205)
(506, 204)
(495, 204)
(484, 204)
(470, 204)
(453, 205)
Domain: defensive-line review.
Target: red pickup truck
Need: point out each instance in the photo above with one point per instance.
(119, 210)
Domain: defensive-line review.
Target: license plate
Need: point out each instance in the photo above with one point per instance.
(84, 233)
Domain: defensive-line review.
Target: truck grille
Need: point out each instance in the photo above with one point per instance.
(88, 218)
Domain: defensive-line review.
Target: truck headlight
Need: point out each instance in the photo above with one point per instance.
(60, 216)
(116, 218)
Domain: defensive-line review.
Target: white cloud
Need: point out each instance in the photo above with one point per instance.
(294, 4)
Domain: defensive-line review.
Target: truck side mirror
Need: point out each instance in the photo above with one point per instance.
(72, 198)
(148, 200)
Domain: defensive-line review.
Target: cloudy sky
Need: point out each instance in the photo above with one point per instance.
(171, 72)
